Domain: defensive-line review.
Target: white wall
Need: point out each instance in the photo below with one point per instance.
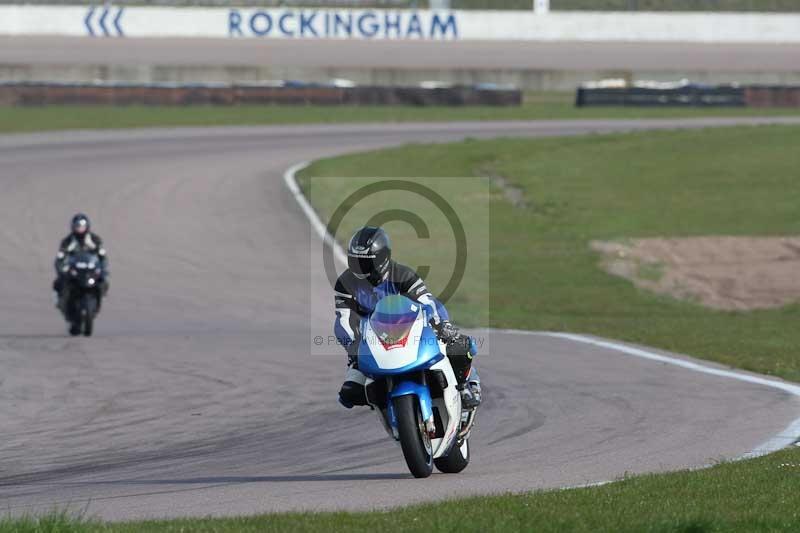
(392, 24)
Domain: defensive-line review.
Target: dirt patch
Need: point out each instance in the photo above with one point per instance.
(513, 194)
(729, 273)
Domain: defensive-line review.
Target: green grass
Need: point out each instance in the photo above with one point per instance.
(537, 106)
(732, 181)
(746, 497)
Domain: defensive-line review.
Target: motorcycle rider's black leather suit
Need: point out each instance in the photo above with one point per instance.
(80, 240)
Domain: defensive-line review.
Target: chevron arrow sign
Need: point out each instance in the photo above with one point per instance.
(104, 21)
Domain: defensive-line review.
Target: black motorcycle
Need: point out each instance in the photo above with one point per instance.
(84, 281)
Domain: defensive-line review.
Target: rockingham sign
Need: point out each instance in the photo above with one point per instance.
(376, 24)
(111, 21)
(274, 23)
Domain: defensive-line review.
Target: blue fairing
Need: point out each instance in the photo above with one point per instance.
(428, 355)
(392, 316)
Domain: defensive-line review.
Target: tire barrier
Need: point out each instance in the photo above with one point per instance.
(48, 93)
(682, 96)
(689, 95)
(773, 96)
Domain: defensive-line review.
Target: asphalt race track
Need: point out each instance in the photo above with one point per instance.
(198, 395)
(436, 56)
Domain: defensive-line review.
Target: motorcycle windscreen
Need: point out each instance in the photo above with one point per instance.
(392, 320)
(85, 260)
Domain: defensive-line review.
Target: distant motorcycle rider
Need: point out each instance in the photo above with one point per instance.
(80, 239)
(371, 275)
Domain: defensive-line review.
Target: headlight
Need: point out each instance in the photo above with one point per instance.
(91, 281)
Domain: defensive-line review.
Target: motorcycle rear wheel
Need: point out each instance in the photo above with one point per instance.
(456, 459)
(414, 439)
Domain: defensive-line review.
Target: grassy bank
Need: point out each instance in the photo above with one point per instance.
(537, 106)
(737, 181)
(745, 497)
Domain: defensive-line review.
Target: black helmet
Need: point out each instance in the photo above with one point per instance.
(369, 253)
(80, 225)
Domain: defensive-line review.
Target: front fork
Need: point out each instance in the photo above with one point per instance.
(422, 392)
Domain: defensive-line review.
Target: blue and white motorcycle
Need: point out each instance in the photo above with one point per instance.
(411, 384)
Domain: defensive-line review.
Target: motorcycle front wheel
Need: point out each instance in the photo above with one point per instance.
(72, 313)
(88, 311)
(414, 439)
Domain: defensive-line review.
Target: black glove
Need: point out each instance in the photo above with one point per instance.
(447, 332)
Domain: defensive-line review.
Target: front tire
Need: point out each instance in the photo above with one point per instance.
(88, 326)
(414, 440)
(88, 310)
(456, 460)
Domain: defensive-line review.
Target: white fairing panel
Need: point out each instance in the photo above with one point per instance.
(399, 356)
(449, 408)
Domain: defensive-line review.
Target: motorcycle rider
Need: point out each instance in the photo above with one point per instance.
(80, 239)
(371, 275)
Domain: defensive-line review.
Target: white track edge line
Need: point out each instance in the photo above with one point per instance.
(786, 437)
(289, 177)
(783, 439)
